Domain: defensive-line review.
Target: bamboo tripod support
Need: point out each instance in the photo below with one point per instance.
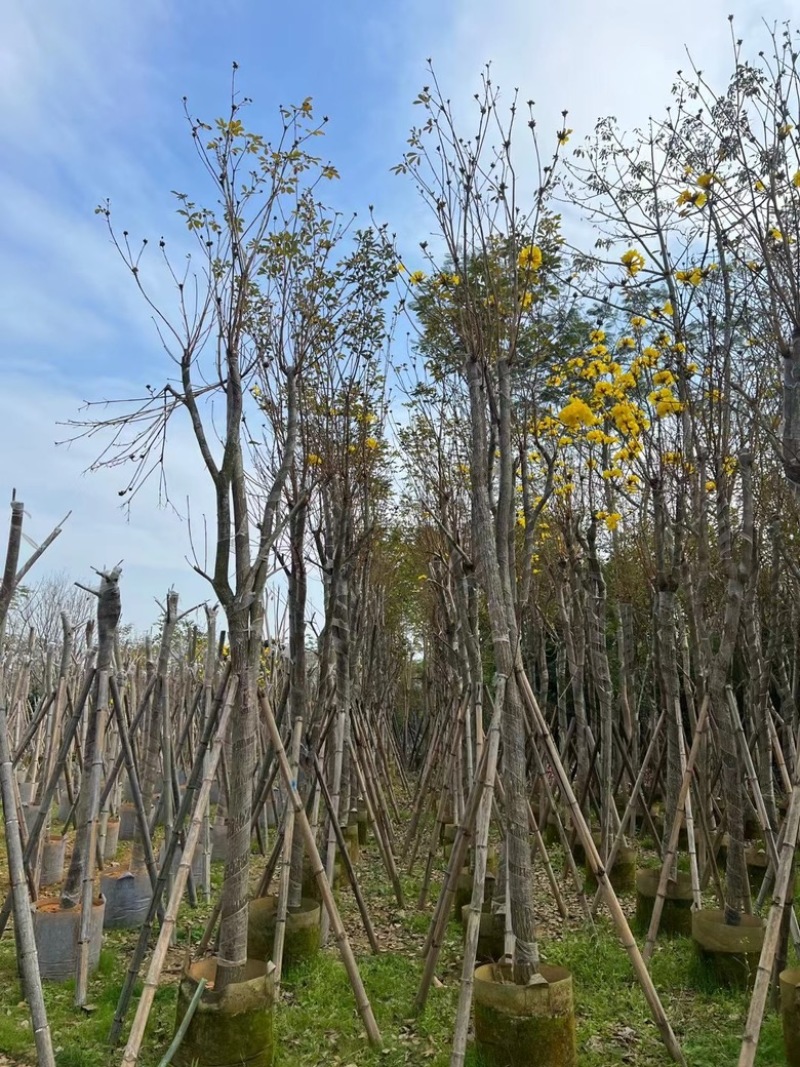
(345, 856)
(783, 879)
(476, 904)
(629, 807)
(592, 855)
(23, 920)
(672, 845)
(136, 1036)
(286, 868)
(769, 838)
(137, 958)
(484, 774)
(339, 933)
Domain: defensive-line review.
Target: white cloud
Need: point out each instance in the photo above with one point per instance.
(595, 59)
(94, 113)
(153, 542)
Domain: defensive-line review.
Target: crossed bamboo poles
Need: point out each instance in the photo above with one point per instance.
(477, 812)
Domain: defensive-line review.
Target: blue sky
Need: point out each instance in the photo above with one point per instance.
(92, 108)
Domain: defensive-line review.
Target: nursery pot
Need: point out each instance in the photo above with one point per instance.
(219, 842)
(790, 1015)
(622, 873)
(362, 822)
(64, 808)
(302, 938)
(27, 791)
(197, 866)
(524, 1026)
(757, 862)
(449, 830)
(31, 814)
(464, 892)
(676, 916)
(53, 855)
(491, 934)
(350, 834)
(310, 888)
(233, 1028)
(127, 822)
(128, 897)
(112, 839)
(57, 930)
(730, 954)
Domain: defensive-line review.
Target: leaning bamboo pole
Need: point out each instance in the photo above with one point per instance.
(592, 855)
(690, 832)
(476, 904)
(286, 868)
(783, 881)
(198, 771)
(632, 801)
(339, 933)
(136, 1036)
(672, 844)
(383, 847)
(345, 857)
(751, 776)
(108, 614)
(484, 773)
(23, 921)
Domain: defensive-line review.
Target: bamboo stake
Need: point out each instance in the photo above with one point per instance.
(629, 807)
(783, 879)
(94, 784)
(339, 933)
(385, 850)
(49, 790)
(209, 731)
(672, 844)
(23, 921)
(569, 858)
(108, 614)
(761, 808)
(180, 1033)
(476, 904)
(778, 752)
(286, 860)
(690, 838)
(348, 863)
(617, 914)
(433, 843)
(542, 850)
(136, 1036)
(464, 836)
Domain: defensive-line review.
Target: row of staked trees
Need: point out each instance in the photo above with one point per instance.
(593, 478)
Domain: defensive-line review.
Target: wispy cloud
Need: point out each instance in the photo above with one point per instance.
(95, 92)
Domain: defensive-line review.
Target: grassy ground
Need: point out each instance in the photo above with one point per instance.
(317, 1023)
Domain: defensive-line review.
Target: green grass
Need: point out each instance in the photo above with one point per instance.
(317, 1021)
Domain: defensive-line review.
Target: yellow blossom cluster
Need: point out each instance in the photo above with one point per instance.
(696, 198)
(577, 413)
(530, 258)
(610, 518)
(633, 261)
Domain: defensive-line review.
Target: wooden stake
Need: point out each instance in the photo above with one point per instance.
(339, 933)
(476, 904)
(783, 878)
(672, 844)
(23, 921)
(136, 1036)
(592, 855)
